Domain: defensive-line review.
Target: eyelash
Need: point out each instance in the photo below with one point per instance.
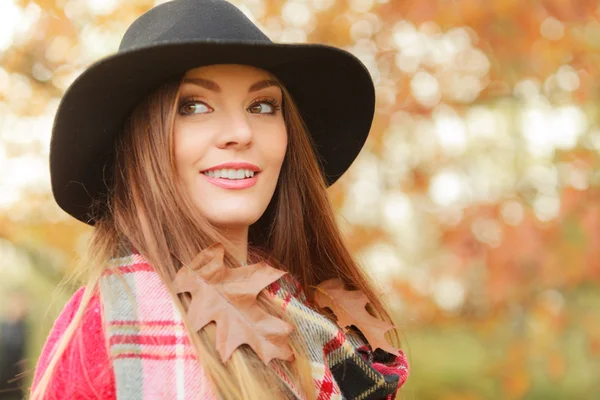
(276, 105)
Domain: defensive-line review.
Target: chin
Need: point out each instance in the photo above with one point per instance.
(230, 220)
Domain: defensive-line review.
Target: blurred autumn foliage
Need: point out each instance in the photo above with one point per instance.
(476, 201)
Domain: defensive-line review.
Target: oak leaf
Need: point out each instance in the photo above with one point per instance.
(349, 306)
(227, 296)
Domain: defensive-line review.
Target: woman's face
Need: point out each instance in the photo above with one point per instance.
(230, 140)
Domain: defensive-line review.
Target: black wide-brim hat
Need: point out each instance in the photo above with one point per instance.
(331, 88)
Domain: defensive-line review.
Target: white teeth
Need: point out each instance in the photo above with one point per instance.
(233, 174)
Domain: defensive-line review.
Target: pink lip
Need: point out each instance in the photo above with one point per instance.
(235, 165)
(232, 183)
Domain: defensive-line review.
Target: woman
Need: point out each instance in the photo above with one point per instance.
(201, 153)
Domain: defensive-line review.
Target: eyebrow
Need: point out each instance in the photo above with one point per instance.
(212, 85)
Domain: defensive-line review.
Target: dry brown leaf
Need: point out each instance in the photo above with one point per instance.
(227, 296)
(349, 306)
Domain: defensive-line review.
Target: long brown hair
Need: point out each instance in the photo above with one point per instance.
(148, 210)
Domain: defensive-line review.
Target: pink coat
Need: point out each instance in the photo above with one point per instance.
(85, 370)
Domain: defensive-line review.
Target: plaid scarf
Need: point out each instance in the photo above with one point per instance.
(153, 358)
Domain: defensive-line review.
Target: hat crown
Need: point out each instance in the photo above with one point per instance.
(191, 20)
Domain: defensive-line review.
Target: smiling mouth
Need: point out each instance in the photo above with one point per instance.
(230, 174)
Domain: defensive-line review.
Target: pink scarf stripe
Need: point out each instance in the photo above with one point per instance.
(156, 357)
(161, 323)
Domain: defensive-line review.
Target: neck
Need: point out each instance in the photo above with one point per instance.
(238, 239)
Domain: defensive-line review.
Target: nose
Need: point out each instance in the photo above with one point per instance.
(236, 132)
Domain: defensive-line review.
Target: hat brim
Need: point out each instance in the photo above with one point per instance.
(332, 89)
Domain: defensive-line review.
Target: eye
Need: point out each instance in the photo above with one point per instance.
(194, 107)
(266, 106)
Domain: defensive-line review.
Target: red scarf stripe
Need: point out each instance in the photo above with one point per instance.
(132, 263)
(149, 340)
(129, 269)
(287, 300)
(158, 357)
(326, 387)
(274, 287)
(334, 343)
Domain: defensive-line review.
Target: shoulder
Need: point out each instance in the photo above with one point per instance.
(84, 370)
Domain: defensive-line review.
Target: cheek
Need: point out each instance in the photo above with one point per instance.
(276, 145)
(188, 148)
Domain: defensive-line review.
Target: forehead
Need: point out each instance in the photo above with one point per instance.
(228, 71)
